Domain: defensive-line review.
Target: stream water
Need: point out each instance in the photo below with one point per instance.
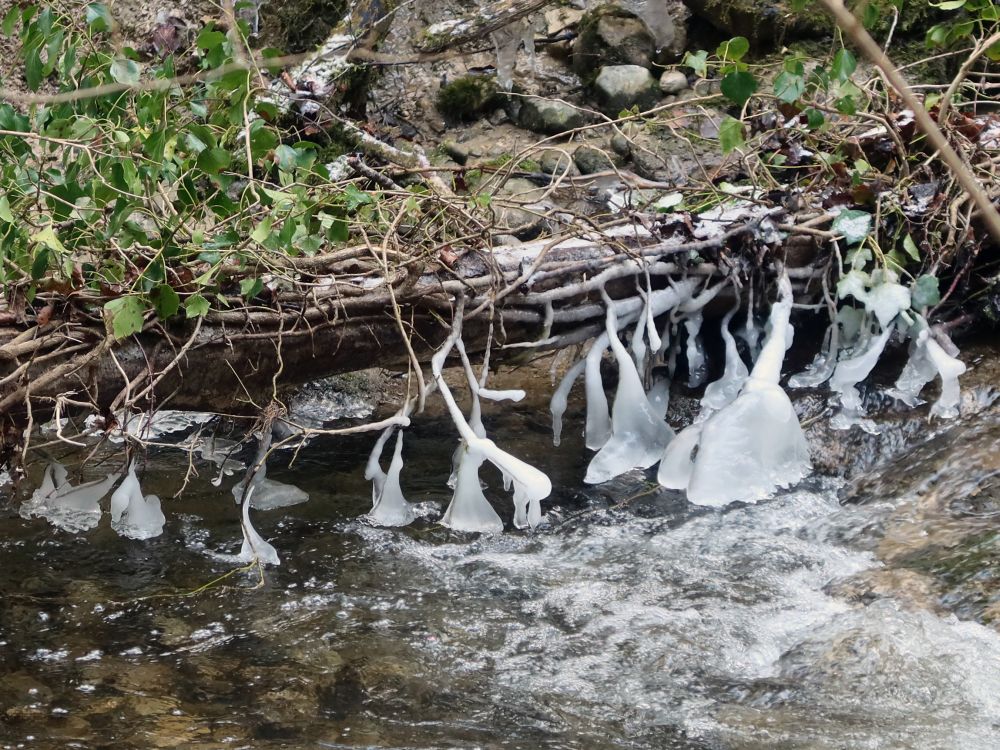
(630, 619)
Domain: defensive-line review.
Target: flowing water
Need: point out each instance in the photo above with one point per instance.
(630, 619)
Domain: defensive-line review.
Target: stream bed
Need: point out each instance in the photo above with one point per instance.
(629, 619)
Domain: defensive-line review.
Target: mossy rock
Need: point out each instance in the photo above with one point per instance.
(468, 98)
(611, 35)
(296, 26)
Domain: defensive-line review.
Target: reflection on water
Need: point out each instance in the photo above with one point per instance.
(653, 624)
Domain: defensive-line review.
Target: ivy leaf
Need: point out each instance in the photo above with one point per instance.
(925, 292)
(789, 87)
(126, 316)
(99, 17)
(40, 264)
(911, 248)
(165, 301)
(49, 239)
(125, 71)
(853, 225)
(844, 65)
(213, 160)
(5, 213)
(286, 158)
(734, 49)
(814, 118)
(196, 306)
(250, 288)
(739, 86)
(731, 134)
(697, 61)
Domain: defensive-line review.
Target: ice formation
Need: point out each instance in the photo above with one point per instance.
(133, 515)
(560, 397)
(725, 390)
(822, 367)
(752, 446)
(469, 510)
(638, 435)
(254, 546)
(70, 508)
(389, 507)
(598, 427)
(847, 375)
(929, 359)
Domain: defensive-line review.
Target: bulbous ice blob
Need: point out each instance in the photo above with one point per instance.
(752, 446)
(469, 509)
(847, 375)
(270, 494)
(887, 300)
(254, 546)
(638, 435)
(560, 397)
(725, 390)
(133, 515)
(70, 508)
(389, 507)
(677, 464)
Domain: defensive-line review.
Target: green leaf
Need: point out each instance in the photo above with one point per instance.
(731, 134)
(40, 264)
(789, 87)
(814, 118)
(196, 306)
(165, 301)
(286, 158)
(126, 316)
(213, 160)
(10, 20)
(99, 17)
(125, 71)
(911, 248)
(734, 49)
(949, 4)
(925, 292)
(49, 239)
(250, 288)
(262, 231)
(853, 225)
(33, 69)
(697, 61)
(5, 213)
(355, 197)
(739, 86)
(844, 65)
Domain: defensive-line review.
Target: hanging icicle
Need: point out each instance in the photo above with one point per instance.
(638, 435)
(724, 391)
(847, 375)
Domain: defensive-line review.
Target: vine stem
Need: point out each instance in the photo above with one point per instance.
(870, 48)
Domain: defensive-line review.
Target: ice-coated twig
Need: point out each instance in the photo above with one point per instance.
(847, 375)
(560, 398)
(821, 368)
(530, 484)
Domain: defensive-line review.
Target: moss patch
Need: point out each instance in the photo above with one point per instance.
(467, 99)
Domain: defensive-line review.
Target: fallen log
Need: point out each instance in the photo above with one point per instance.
(476, 26)
(536, 297)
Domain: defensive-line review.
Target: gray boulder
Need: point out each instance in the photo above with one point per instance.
(619, 87)
(673, 82)
(550, 116)
(611, 35)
